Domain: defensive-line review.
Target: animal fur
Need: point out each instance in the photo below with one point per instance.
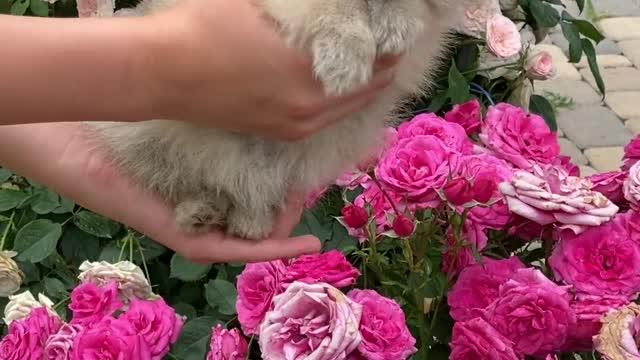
(216, 178)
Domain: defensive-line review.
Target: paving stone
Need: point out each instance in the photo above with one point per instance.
(593, 126)
(605, 159)
(579, 91)
(616, 7)
(587, 170)
(567, 148)
(624, 103)
(567, 71)
(631, 49)
(621, 28)
(616, 79)
(606, 61)
(633, 125)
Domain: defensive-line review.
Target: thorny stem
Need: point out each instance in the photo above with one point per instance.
(55, 307)
(384, 193)
(144, 261)
(6, 230)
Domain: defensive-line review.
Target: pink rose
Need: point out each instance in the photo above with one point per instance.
(518, 137)
(451, 134)
(458, 191)
(602, 261)
(354, 216)
(156, 322)
(564, 162)
(548, 195)
(466, 115)
(27, 337)
(630, 222)
(310, 321)
(458, 253)
(227, 345)
(589, 312)
(257, 285)
(609, 184)
(477, 339)
(110, 339)
(631, 187)
(477, 286)
(59, 345)
(503, 37)
(417, 167)
(331, 267)
(528, 230)
(631, 153)
(352, 179)
(540, 66)
(533, 312)
(90, 303)
(385, 335)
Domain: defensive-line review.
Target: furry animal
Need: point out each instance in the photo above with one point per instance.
(220, 179)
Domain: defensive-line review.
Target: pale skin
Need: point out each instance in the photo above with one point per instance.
(210, 62)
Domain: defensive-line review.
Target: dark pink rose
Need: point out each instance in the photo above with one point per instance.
(354, 216)
(27, 337)
(602, 261)
(452, 135)
(110, 339)
(91, 303)
(609, 184)
(227, 345)
(257, 285)
(528, 230)
(403, 226)
(533, 312)
(477, 339)
(588, 312)
(518, 137)
(477, 286)
(631, 153)
(383, 327)
(417, 168)
(467, 115)
(156, 322)
(458, 191)
(458, 253)
(331, 267)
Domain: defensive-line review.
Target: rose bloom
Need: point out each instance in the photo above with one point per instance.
(26, 338)
(417, 167)
(131, 281)
(257, 285)
(156, 322)
(385, 335)
(110, 339)
(381, 208)
(503, 38)
(533, 312)
(20, 305)
(90, 303)
(310, 321)
(620, 334)
(476, 15)
(602, 261)
(227, 345)
(549, 195)
(458, 253)
(331, 267)
(610, 184)
(467, 115)
(477, 339)
(477, 286)
(589, 312)
(58, 346)
(352, 179)
(528, 230)
(518, 137)
(451, 134)
(540, 66)
(631, 187)
(631, 153)
(11, 276)
(94, 8)
(565, 163)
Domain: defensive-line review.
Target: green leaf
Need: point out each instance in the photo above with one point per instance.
(150, 249)
(545, 15)
(222, 295)
(66, 206)
(44, 202)
(580, 4)
(39, 8)
(310, 225)
(458, 90)
(5, 175)
(186, 310)
(110, 253)
(54, 288)
(186, 270)
(19, 7)
(540, 105)
(30, 270)
(587, 29)
(37, 240)
(10, 199)
(340, 239)
(570, 32)
(194, 338)
(78, 246)
(590, 52)
(95, 224)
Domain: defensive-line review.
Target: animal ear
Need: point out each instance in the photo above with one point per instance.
(95, 8)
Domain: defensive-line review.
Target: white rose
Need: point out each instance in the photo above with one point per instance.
(130, 279)
(19, 306)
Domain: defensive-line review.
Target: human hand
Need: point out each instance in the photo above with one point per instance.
(221, 64)
(73, 167)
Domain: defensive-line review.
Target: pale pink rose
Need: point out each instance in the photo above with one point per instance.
(458, 254)
(540, 66)
(227, 345)
(417, 168)
(589, 311)
(331, 267)
(385, 335)
(91, 303)
(609, 184)
(352, 179)
(548, 195)
(27, 337)
(519, 138)
(156, 322)
(95, 8)
(313, 197)
(477, 286)
(631, 187)
(503, 38)
(110, 339)
(533, 312)
(477, 339)
(467, 115)
(451, 134)
(476, 15)
(620, 334)
(602, 261)
(631, 153)
(310, 321)
(59, 345)
(257, 285)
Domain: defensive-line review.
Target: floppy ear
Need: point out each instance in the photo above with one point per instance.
(95, 8)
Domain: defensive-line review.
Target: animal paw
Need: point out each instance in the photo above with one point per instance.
(396, 25)
(251, 225)
(197, 216)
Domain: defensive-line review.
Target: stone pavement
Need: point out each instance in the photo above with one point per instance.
(594, 132)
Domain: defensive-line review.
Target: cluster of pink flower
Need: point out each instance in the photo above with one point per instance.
(297, 310)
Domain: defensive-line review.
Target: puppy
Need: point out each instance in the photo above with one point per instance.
(219, 179)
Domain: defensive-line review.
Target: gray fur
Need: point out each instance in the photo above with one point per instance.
(217, 178)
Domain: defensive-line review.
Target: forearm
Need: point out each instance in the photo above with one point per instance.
(74, 69)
